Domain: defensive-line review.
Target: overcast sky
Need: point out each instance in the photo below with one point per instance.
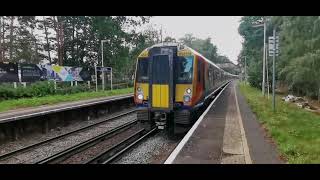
(223, 30)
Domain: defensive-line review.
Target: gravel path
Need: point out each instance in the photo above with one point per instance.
(154, 150)
(56, 146)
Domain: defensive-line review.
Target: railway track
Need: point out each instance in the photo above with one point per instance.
(111, 154)
(35, 145)
(60, 156)
(105, 155)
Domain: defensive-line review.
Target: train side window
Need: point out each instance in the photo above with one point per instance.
(199, 70)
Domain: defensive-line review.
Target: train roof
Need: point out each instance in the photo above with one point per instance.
(181, 46)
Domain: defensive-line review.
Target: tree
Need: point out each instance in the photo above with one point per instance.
(188, 39)
(169, 39)
(252, 48)
(203, 46)
(299, 60)
(1, 49)
(45, 24)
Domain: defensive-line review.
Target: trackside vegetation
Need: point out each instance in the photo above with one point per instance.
(295, 131)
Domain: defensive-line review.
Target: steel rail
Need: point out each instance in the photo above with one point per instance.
(23, 149)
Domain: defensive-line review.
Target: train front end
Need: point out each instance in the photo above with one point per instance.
(163, 84)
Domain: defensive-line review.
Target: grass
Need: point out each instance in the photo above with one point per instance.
(295, 131)
(55, 99)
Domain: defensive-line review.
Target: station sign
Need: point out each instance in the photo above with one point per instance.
(271, 49)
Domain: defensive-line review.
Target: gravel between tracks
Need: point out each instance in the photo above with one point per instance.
(154, 150)
(61, 144)
(89, 153)
(38, 137)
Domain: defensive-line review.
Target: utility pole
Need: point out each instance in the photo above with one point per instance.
(267, 70)
(0, 39)
(264, 56)
(161, 34)
(245, 69)
(264, 24)
(274, 69)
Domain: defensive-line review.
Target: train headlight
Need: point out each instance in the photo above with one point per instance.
(186, 98)
(139, 89)
(140, 96)
(188, 91)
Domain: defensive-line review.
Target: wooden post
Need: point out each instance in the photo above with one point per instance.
(319, 95)
(24, 84)
(76, 83)
(89, 85)
(15, 85)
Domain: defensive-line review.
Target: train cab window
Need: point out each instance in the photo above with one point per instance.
(184, 69)
(143, 70)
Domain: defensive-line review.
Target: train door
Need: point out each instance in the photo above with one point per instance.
(161, 81)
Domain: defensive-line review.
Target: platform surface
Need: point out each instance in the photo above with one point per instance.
(228, 133)
(17, 114)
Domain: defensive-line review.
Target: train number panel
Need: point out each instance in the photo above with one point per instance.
(172, 84)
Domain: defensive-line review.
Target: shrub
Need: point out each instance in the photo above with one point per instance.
(38, 89)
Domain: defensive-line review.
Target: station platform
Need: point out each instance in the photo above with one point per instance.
(23, 113)
(227, 133)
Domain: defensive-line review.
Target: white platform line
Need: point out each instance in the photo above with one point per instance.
(176, 151)
(245, 146)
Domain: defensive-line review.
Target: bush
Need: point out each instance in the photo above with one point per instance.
(72, 89)
(38, 89)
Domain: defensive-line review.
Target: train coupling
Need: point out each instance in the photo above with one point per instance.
(161, 120)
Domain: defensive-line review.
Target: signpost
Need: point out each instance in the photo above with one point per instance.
(103, 70)
(273, 51)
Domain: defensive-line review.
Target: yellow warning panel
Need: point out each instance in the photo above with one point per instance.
(160, 96)
(164, 96)
(181, 90)
(144, 88)
(156, 95)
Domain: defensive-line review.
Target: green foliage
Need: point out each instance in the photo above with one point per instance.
(209, 50)
(203, 46)
(55, 99)
(74, 40)
(252, 48)
(295, 131)
(38, 89)
(299, 61)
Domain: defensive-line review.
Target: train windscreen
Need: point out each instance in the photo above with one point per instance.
(184, 70)
(143, 70)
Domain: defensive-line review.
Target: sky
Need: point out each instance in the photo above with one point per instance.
(223, 30)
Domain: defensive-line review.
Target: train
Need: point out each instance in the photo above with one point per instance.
(173, 83)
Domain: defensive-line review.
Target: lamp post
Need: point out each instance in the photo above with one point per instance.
(264, 24)
(273, 71)
(102, 64)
